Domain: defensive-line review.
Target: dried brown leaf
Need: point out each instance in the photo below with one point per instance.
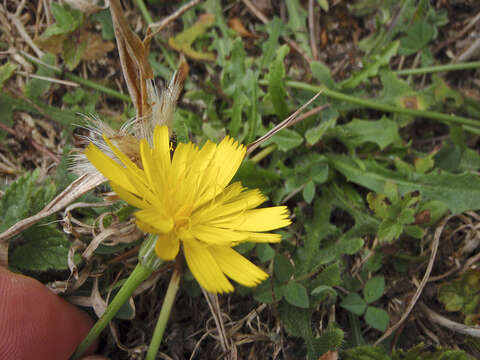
(237, 26)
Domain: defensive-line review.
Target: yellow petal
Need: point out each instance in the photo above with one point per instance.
(128, 196)
(109, 168)
(214, 235)
(204, 267)
(264, 237)
(236, 267)
(156, 180)
(161, 144)
(230, 212)
(135, 175)
(154, 218)
(265, 219)
(230, 156)
(167, 246)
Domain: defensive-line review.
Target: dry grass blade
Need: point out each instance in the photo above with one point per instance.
(212, 300)
(449, 324)
(426, 276)
(284, 124)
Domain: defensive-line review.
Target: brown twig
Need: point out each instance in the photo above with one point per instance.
(158, 26)
(416, 296)
(311, 28)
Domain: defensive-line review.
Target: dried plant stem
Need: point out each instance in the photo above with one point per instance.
(138, 275)
(167, 305)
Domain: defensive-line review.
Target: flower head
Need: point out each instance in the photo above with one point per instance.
(186, 199)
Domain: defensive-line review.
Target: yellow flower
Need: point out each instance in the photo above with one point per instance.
(186, 198)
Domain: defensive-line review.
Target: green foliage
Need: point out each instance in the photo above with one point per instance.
(460, 192)
(66, 20)
(37, 87)
(350, 175)
(462, 294)
(276, 87)
(6, 71)
(41, 248)
(23, 198)
(416, 353)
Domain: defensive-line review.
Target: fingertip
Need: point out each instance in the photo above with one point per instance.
(35, 323)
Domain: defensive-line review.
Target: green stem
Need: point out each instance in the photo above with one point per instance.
(82, 81)
(139, 274)
(97, 86)
(382, 107)
(439, 68)
(264, 153)
(164, 314)
(144, 11)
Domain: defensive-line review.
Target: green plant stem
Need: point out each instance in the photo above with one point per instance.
(164, 313)
(382, 107)
(82, 81)
(139, 274)
(143, 9)
(97, 86)
(439, 68)
(264, 153)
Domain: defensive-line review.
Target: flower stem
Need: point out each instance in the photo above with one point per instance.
(439, 68)
(164, 313)
(139, 274)
(382, 107)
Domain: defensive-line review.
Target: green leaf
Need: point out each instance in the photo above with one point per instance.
(354, 303)
(324, 289)
(383, 132)
(283, 269)
(330, 340)
(73, 52)
(105, 19)
(296, 294)
(419, 35)
(297, 321)
(45, 248)
(274, 28)
(264, 252)
(309, 192)
(276, 86)
(328, 121)
(36, 87)
(374, 289)
(6, 71)
(67, 20)
(286, 139)
(462, 294)
(322, 73)
(459, 192)
(265, 291)
(23, 198)
(349, 246)
(372, 68)
(377, 318)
